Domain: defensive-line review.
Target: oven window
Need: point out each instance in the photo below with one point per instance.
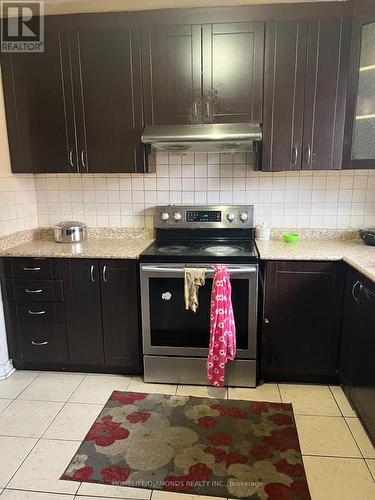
(173, 326)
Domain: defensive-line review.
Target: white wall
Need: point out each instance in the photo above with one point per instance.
(343, 199)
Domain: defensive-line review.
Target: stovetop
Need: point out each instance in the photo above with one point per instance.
(201, 250)
(207, 233)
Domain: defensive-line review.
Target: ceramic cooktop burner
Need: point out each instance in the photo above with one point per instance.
(222, 249)
(173, 249)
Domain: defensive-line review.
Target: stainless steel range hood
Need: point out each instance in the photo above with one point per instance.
(208, 138)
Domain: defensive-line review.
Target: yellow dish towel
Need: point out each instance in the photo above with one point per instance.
(194, 278)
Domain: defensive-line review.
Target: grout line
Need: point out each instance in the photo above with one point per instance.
(331, 456)
(355, 440)
(279, 390)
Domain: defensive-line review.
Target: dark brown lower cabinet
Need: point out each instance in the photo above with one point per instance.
(301, 323)
(356, 367)
(91, 324)
(101, 298)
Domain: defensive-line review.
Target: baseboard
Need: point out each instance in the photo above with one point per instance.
(6, 369)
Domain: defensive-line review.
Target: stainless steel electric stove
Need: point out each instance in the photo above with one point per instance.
(175, 340)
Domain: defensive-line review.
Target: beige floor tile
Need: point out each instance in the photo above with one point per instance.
(327, 436)
(33, 495)
(113, 491)
(137, 384)
(52, 387)
(309, 399)
(98, 388)
(4, 403)
(338, 479)
(342, 401)
(166, 495)
(43, 467)
(28, 418)
(73, 422)
(202, 391)
(264, 392)
(363, 441)
(371, 466)
(16, 383)
(13, 452)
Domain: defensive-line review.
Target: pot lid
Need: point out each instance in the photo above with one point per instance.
(70, 225)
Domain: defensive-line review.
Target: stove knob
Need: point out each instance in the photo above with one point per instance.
(177, 216)
(243, 216)
(164, 216)
(231, 216)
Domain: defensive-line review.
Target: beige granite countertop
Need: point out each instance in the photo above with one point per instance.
(352, 251)
(101, 244)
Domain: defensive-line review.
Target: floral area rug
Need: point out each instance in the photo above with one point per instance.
(214, 447)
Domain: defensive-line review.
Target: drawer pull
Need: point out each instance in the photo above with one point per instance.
(31, 268)
(34, 342)
(27, 290)
(37, 313)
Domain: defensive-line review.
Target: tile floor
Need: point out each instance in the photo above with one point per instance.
(44, 416)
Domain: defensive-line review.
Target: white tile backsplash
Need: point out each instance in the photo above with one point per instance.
(18, 206)
(330, 199)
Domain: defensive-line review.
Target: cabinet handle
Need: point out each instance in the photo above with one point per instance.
(105, 277)
(208, 107)
(92, 273)
(27, 290)
(36, 313)
(83, 159)
(31, 268)
(294, 155)
(195, 111)
(266, 321)
(71, 159)
(34, 342)
(354, 295)
(308, 154)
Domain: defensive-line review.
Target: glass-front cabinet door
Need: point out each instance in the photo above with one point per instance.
(359, 150)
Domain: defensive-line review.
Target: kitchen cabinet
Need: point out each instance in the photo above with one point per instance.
(211, 73)
(301, 321)
(91, 324)
(38, 108)
(359, 146)
(102, 312)
(77, 107)
(83, 311)
(356, 368)
(34, 312)
(306, 64)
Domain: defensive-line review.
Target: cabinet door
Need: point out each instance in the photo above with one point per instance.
(83, 311)
(302, 319)
(120, 314)
(171, 59)
(362, 393)
(39, 109)
(359, 145)
(284, 82)
(349, 328)
(233, 72)
(106, 67)
(325, 93)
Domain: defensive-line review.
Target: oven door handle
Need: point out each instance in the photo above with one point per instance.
(170, 270)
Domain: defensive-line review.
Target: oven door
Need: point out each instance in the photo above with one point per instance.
(169, 329)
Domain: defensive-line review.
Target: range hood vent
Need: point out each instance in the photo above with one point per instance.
(207, 138)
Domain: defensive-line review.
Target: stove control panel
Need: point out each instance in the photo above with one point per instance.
(209, 216)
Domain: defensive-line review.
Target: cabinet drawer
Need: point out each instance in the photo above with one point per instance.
(38, 312)
(30, 290)
(32, 268)
(45, 343)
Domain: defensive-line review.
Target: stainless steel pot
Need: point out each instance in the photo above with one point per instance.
(70, 232)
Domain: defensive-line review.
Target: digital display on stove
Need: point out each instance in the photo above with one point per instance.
(203, 216)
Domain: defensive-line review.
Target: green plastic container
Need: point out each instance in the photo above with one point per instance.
(290, 237)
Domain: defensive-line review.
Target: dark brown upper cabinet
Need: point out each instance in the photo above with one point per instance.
(77, 106)
(359, 144)
(40, 124)
(306, 64)
(210, 73)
